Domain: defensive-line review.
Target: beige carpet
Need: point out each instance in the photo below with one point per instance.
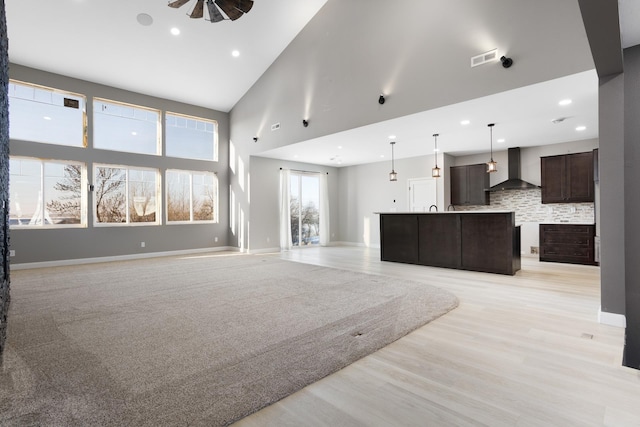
(199, 340)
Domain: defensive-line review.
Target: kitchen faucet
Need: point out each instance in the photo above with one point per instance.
(433, 206)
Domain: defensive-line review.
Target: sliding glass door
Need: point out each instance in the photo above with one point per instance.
(304, 206)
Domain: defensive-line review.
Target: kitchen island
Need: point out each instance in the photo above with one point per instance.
(478, 241)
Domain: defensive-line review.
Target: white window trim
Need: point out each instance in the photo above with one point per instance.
(128, 223)
(216, 215)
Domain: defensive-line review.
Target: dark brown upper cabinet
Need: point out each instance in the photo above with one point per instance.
(469, 185)
(567, 178)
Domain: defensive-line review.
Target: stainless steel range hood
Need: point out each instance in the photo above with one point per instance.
(514, 182)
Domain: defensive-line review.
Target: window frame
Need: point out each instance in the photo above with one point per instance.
(42, 202)
(158, 151)
(189, 117)
(128, 222)
(216, 189)
(84, 122)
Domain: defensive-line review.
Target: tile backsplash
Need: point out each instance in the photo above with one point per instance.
(527, 204)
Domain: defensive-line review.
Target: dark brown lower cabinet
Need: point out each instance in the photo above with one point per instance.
(399, 238)
(488, 242)
(485, 247)
(568, 243)
(439, 240)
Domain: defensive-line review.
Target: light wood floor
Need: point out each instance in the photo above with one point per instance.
(525, 350)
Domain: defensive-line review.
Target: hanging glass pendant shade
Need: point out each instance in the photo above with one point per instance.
(492, 166)
(435, 171)
(393, 176)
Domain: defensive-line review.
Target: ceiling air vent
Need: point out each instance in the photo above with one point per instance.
(483, 58)
(275, 126)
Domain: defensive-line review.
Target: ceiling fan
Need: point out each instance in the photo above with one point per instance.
(233, 9)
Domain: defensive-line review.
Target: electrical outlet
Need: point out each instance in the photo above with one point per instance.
(215, 239)
(12, 253)
(535, 250)
(142, 244)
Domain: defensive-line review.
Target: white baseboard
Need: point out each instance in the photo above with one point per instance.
(28, 265)
(612, 319)
(263, 251)
(356, 244)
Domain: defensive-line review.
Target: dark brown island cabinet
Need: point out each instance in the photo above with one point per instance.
(487, 242)
(469, 185)
(568, 178)
(568, 243)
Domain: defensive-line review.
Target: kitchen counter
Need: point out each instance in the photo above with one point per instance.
(477, 241)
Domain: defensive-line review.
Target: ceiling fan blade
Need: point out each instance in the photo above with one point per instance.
(198, 11)
(178, 3)
(244, 5)
(229, 8)
(214, 13)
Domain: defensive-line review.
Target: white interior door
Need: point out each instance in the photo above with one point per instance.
(422, 194)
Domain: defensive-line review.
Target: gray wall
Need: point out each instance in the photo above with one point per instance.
(612, 194)
(632, 203)
(38, 245)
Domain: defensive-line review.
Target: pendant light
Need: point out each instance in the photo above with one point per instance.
(435, 172)
(491, 165)
(393, 176)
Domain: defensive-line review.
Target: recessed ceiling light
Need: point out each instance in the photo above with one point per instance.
(565, 102)
(295, 156)
(134, 133)
(581, 128)
(382, 156)
(47, 118)
(175, 31)
(392, 137)
(144, 19)
(339, 147)
(501, 140)
(235, 53)
(465, 122)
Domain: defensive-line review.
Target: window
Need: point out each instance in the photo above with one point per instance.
(304, 205)
(46, 193)
(42, 114)
(124, 195)
(124, 127)
(191, 137)
(191, 196)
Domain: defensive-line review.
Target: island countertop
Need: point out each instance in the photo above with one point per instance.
(479, 241)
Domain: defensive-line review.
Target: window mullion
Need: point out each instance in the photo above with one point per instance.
(191, 197)
(126, 196)
(42, 207)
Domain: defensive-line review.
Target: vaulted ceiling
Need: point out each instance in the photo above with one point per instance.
(110, 42)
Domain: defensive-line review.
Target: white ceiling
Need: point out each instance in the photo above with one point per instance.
(102, 41)
(522, 117)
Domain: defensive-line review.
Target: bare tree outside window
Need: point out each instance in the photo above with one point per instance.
(204, 198)
(110, 197)
(64, 202)
(191, 196)
(142, 196)
(178, 196)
